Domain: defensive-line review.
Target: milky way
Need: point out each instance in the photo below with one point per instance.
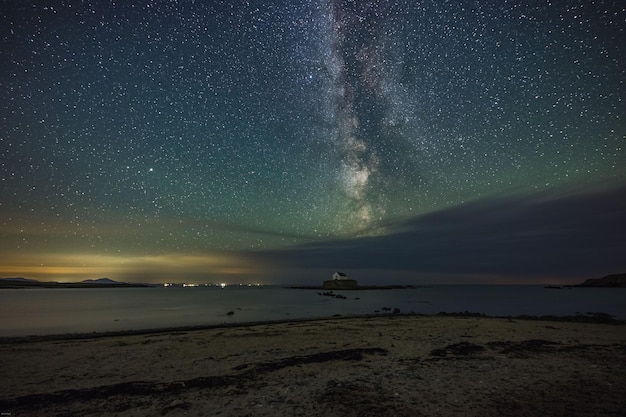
(160, 128)
(364, 130)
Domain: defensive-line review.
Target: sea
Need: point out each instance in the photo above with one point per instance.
(26, 312)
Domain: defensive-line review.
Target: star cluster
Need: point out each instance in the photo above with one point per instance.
(157, 127)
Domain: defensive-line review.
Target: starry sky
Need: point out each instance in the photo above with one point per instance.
(277, 141)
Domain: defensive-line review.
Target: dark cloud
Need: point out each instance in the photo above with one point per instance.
(559, 234)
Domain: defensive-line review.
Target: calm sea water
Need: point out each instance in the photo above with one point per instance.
(55, 311)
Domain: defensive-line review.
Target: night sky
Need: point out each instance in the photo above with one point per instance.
(278, 141)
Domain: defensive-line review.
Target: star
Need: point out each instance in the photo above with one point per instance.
(225, 128)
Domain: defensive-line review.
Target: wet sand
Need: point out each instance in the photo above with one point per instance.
(375, 366)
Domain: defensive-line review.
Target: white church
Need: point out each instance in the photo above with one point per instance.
(339, 276)
(340, 281)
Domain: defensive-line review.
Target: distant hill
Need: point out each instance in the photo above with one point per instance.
(20, 283)
(19, 279)
(611, 281)
(101, 281)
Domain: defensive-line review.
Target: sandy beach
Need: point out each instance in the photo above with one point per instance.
(373, 366)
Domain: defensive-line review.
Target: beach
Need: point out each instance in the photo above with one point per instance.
(360, 366)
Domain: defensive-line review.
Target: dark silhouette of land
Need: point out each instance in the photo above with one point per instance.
(353, 288)
(20, 282)
(609, 281)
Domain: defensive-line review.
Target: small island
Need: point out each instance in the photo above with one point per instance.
(341, 281)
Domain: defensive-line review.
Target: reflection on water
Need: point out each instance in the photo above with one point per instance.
(50, 311)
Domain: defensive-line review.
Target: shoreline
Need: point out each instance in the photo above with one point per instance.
(385, 365)
(588, 318)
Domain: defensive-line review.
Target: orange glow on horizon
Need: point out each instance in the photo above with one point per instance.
(152, 268)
